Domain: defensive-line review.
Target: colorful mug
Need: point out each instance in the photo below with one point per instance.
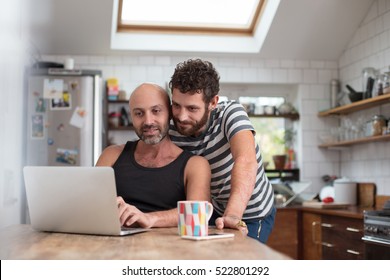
(194, 217)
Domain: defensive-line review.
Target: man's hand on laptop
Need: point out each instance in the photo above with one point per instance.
(131, 216)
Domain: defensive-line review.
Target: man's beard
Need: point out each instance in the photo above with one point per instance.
(149, 139)
(195, 126)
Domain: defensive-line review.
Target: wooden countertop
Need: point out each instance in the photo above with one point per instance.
(23, 242)
(349, 212)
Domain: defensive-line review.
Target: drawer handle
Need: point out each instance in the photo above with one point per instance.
(352, 229)
(313, 232)
(353, 252)
(327, 225)
(327, 245)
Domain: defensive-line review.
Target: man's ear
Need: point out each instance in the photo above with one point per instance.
(213, 102)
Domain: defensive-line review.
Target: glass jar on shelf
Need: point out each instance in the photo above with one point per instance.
(378, 85)
(378, 123)
(369, 75)
(386, 82)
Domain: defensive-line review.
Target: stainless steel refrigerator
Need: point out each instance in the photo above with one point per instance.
(64, 117)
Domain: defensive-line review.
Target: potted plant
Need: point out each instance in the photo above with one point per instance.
(286, 159)
(279, 161)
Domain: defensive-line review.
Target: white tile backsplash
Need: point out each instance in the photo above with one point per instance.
(310, 76)
(287, 63)
(294, 76)
(279, 75)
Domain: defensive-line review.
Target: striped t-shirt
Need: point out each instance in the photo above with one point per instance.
(213, 144)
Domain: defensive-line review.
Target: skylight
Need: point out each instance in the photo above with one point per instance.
(212, 26)
(189, 15)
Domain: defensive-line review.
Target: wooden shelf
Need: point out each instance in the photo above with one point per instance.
(286, 116)
(117, 101)
(357, 106)
(357, 141)
(283, 174)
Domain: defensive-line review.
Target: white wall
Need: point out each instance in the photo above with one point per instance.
(12, 54)
(370, 47)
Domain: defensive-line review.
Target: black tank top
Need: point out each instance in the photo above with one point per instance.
(150, 189)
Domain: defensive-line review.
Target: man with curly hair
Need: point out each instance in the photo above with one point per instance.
(241, 194)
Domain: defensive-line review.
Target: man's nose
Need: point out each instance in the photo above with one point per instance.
(149, 118)
(181, 114)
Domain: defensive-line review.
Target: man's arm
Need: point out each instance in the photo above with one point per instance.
(243, 178)
(110, 155)
(130, 215)
(197, 179)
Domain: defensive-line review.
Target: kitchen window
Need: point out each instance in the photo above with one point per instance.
(271, 131)
(236, 16)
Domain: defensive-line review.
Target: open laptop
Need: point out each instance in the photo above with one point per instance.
(74, 200)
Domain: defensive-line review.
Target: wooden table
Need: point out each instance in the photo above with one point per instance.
(22, 242)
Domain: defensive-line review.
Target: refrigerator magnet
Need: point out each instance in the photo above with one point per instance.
(40, 105)
(50, 141)
(78, 117)
(63, 103)
(74, 85)
(67, 156)
(37, 127)
(53, 88)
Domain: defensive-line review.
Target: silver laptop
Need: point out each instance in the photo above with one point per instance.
(74, 200)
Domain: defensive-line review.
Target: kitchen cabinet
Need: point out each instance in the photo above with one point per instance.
(315, 234)
(354, 107)
(333, 234)
(311, 236)
(342, 238)
(285, 234)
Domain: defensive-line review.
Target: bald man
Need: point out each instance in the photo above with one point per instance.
(152, 173)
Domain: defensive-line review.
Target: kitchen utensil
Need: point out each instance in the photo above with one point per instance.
(327, 191)
(351, 89)
(370, 87)
(334, 90)
(286, 193)
(345, 191)
(355, 96)
(368, 75)
(285, 108)
(366, 194)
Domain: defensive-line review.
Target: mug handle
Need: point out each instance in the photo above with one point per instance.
(209, 211)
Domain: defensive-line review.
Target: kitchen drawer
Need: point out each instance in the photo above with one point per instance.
(311, 239)
(342, 238)
(284, 236)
